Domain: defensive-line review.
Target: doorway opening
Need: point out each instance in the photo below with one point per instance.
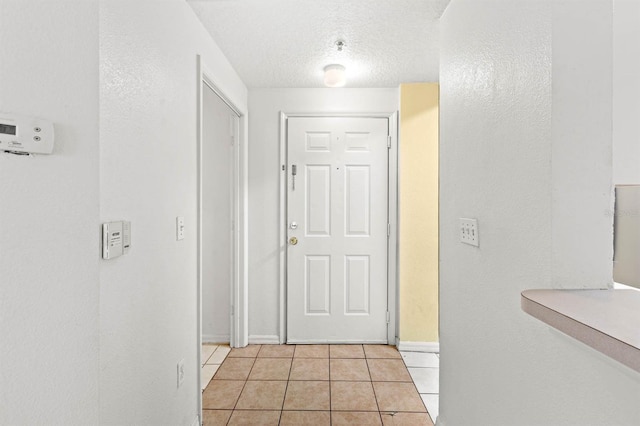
(220, 127)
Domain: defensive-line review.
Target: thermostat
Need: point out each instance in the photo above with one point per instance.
(24, 134)
(116, 239)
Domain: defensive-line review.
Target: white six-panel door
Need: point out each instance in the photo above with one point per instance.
(337, 204)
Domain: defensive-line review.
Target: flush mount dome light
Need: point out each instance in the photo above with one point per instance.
(334, 75)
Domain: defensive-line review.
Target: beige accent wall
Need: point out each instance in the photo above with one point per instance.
(419, 212)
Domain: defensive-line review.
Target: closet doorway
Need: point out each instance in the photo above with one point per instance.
(220, 129)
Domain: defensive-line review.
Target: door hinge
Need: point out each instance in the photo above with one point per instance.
(389, 141)
(388, 317)
(233, 140)
(388, 229)
(233, 311)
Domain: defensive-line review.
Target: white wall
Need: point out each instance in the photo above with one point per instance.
(49, 234)
(581, 144)
(264, 175)
(626, 92)
(526, 149)
(148, 175)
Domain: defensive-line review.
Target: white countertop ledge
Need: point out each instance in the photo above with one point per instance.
(606, 320)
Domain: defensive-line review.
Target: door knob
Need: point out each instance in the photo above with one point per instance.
(293, 241)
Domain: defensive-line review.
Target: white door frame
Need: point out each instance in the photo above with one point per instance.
(239, 333)
(392, 243)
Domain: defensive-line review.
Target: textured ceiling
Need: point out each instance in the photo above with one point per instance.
(286, 43)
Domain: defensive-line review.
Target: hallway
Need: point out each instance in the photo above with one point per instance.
(315, 385)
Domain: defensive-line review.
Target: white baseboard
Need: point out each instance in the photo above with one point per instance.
(196, 421)
(418, 346)
(215, 338)
(264, 340)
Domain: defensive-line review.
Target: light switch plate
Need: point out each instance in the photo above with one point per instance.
(180, 228)
(469, 231)
(180, 372)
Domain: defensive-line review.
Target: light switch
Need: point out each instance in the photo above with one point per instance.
(180, 228)
(469, 231)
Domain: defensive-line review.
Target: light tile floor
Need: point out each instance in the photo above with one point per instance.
(318, 385)
(424, 369)
(212, 357)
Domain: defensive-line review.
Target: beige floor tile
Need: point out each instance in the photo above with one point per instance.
(406, 419)
(298, 418)
(219, 355)
(206, 351)
(346, 351)
(398, 397)
(339, 418)
(353, 396)
(222, 394)
(307, 396)
(271, 369)
(277, 351)
(250, 351)
(312, 351)
(234, 369)
(381, 351)
(255, 418)
(388, 370)
(349, 369)
(262, 395)
(207, 374)
(215, 417)
(309, 369)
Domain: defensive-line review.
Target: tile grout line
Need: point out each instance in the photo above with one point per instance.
(214, 351)
(375, 396)
(286, 388)
(330, 400)
(244, 384)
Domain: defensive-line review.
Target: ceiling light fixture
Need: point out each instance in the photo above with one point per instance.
(335, 74)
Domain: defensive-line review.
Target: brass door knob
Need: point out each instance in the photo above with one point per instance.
(293, 241)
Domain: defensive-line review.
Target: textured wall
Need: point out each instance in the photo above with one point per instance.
(525, 148)
(418, 235)
(148, 173)
(49, 235)
(264, 174)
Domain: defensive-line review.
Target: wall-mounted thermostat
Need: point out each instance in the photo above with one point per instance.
(116, 239)
(19, 133)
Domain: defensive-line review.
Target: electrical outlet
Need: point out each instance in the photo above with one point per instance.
(469, 232)
(180, 372)
(180, 228)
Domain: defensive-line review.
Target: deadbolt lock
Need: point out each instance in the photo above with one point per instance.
(293, 241)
